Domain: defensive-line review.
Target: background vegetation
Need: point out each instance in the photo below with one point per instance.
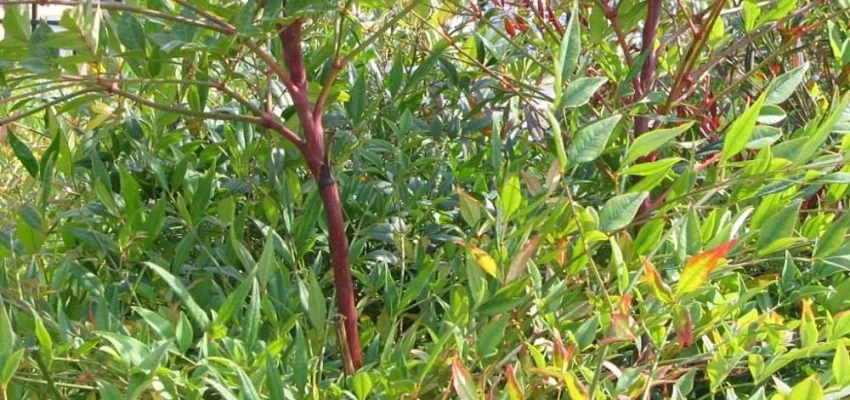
(542, 199)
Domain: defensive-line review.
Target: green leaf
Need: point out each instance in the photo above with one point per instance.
(234, 302)
(779, 226)
(203, 193)
(570, 48)
(489, 340)
(589, 142)
(619, 211)
(45, 342)
(841, 365)
(751, 14)
(719, 368)
(650, 141)
(29, 229)
(770, 115)
(580, 91)
(192, 308)
(267, 264)
(362, 385)
(823, 131)
(808, 389)
(275, 383)
(652, 168)
(7, 335)
(741, 130)
(426, 66)
(16, 25)
(510, 196)
(784, 85)
(358, 98)
(396, 73)
(131, 350)
(833, 237)
(158, 323)
(470, 208)
(9, 367)
(23, 153)
(313, 300)
(130, 32)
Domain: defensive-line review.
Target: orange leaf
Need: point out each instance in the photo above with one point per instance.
(653, 278)
(700, 266)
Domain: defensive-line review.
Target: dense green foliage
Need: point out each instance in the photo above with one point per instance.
(539, 203)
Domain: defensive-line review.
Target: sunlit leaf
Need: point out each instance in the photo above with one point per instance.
(700, 266)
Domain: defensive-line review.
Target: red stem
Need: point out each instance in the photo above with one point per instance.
(317, 160)
(647, 74)
(338, 243)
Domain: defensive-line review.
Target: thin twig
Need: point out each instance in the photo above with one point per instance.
(24, 114)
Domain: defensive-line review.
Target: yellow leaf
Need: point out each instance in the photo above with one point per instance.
(659, 288)
(575, 389)
(700, 266)
(485, 261)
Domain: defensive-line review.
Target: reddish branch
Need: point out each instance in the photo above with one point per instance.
(319, 165)
(647, 74)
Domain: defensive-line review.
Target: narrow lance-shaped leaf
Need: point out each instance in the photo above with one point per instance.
(808, 328)
(192, 308)
(558, 139)
(741, 130)
(683, 326)
(514, 389)
(462, 381)
(580, 91)
(10, 367)
(783, 87)
(575, 389)
(651, 141)
(660, 289)
(700, 266)
(590, 141)
(619, 211)
(23, 153)
(470, 208)
(510, 196)
(520, 261)
(841, 365)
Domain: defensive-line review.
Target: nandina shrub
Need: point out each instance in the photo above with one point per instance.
(356, 199)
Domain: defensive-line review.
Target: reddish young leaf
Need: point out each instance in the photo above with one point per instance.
(518, 264)
(700, 266)
(462, 382)
(653, 279)
(683, 326)
(514, 390)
